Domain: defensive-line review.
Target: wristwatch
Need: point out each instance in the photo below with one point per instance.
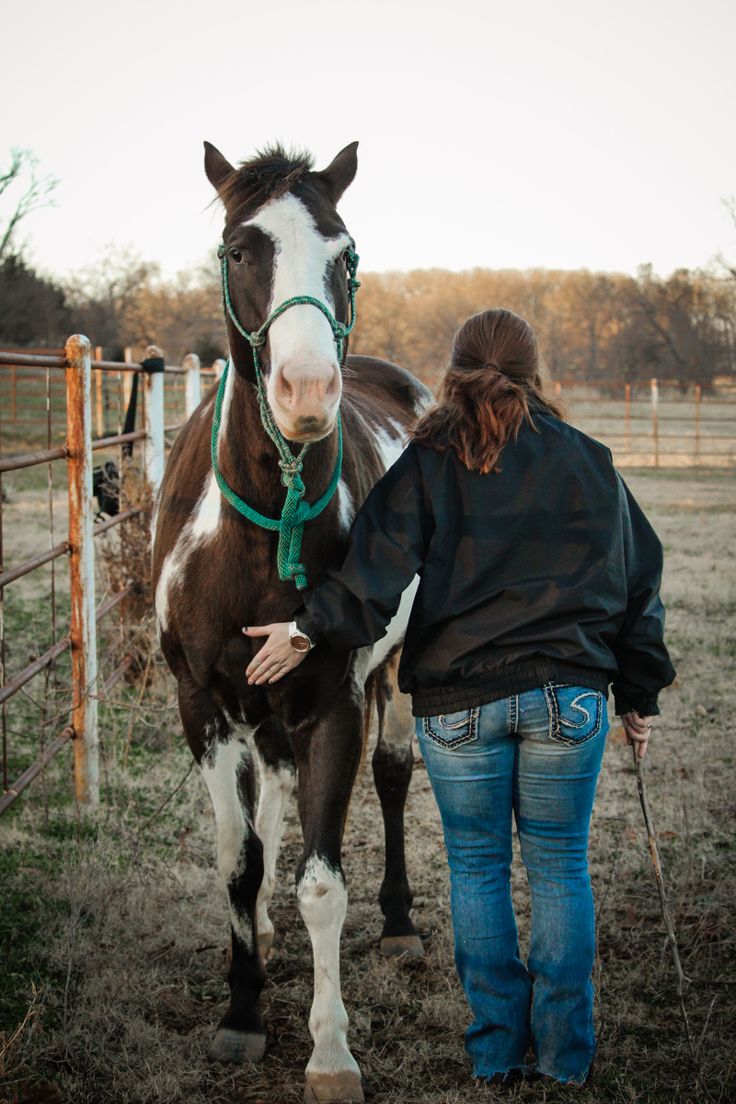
(299, 640)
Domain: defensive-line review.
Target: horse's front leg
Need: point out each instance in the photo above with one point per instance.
(222, 750)
(327, 760)
(277, 779)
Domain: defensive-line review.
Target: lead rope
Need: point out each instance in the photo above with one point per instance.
(295, 511)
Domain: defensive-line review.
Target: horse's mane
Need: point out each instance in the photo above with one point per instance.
(271, 173)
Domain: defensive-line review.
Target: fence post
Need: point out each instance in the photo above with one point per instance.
(655, 422)
(99, 411)
(153, 391)
(218, 367)
(698, 400)
(627, 418)
(193, 392)
(83, 627)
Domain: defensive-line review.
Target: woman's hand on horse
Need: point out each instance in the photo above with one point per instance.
(275, 658)
(638, 729)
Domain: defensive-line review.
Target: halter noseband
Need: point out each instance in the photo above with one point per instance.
(295, 511)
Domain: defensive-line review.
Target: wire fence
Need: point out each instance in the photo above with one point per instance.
(657, 424)
(69, 407)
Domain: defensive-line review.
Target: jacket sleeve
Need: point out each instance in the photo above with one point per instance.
(644, 666)
(351, 607)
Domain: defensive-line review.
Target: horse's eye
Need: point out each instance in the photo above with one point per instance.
(237, 256)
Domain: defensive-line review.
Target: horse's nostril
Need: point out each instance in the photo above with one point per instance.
(286, 389)
(333, 389)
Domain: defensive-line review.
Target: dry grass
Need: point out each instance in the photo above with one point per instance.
(128, 924)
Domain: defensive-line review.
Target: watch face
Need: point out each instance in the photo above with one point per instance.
(299, 642)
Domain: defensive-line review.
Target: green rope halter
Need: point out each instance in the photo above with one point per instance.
(295, 511)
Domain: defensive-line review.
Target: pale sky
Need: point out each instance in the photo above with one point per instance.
(565, 134)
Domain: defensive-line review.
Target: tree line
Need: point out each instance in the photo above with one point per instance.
(596, 328)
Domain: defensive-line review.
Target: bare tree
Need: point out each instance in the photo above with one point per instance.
(33, 191)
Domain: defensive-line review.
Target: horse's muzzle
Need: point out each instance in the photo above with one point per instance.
(304, 398)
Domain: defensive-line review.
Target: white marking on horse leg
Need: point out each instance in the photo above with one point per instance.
(220, 769)
(277, 787)
(323, 901)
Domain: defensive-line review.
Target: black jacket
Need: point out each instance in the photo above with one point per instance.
(547, 571)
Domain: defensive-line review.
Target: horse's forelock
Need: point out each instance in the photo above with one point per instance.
(271, 173)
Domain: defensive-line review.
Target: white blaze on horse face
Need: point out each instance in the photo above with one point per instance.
(323, 901)
(304, 384)
(220, 768)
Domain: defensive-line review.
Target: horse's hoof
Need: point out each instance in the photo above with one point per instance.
(265, 943)
(394, 945)
(237, 1046)
(335, 1088)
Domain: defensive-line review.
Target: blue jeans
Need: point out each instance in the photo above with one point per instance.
(537, 754)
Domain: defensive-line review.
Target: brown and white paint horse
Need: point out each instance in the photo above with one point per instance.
(215, 572)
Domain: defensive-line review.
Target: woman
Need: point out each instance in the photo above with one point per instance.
(539, 580)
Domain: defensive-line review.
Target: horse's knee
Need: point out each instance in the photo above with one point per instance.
(322, 895)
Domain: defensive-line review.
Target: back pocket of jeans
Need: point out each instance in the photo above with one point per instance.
(575, 714)
(451, 730)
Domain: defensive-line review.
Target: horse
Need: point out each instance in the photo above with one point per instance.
(288, 276)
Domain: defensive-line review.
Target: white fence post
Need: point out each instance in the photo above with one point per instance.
(153, 391)
(218, 367)
(193, 393)
(83, 628)
(655, 420)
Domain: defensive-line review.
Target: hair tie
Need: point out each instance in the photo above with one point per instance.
(492, 364)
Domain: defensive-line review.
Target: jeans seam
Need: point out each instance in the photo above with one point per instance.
(512, 714)
(553, 712)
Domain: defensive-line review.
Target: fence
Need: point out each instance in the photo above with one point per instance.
(656, 424)
(84, 410)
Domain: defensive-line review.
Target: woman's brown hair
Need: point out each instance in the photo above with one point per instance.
(492, 385)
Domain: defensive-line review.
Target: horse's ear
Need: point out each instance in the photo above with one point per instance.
(217, 167)
(340, 172)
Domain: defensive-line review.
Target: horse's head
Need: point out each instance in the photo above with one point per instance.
(283, 238)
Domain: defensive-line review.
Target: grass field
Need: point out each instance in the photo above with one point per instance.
(113, 927)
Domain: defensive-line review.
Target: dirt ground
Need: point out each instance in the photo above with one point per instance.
(114, 927)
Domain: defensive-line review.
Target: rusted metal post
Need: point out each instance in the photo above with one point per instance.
(153, 390)
(83, 628)
(655, 421)
(698, 401)
(99, 411)
(627, 418)
(193, 383)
